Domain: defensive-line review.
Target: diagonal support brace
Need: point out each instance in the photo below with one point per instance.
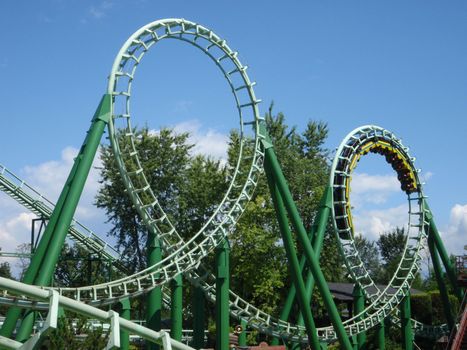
(114, 336)
(165, 336)
(35, 341)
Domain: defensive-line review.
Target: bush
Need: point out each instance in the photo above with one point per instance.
(75, 333)
(421, 305)
(438, 315)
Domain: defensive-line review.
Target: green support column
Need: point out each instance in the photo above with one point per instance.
(308, 249)
(406, 324)
(380, 336)
(40, 270)
(176, 308)
(317, 234)
(288, 303)
(242, 335)
(222, 296)
(441, 286)
(154, 297)
(125, 312)
(433, 232)
(198, 317)
(292, 258)
(359, 306)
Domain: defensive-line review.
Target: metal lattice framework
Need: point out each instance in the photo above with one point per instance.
(185, 256)
(356, 144)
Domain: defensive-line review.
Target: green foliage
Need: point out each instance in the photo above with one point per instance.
(187, 188)
(78, 267)
(438, 315)
(421, 307)
(391, 245)
(75, 333)
(368, 252)
(258, 258)
(190, 187)
(5, 270)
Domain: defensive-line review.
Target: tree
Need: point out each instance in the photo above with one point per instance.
(368, 252)
(190, 187)
(5, 270)
(78, 267)
(74, 332)
(258, 258)
(391, 245)
(187, 189)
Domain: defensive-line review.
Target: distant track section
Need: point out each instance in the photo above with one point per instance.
(27, 196)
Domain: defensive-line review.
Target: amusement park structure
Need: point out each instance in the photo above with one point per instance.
(172, 258)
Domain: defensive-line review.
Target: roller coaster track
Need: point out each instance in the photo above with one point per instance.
(30, 198)
(185, 256)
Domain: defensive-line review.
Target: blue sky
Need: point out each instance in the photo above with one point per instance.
(398, 64)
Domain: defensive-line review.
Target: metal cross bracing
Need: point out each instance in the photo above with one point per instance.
(185, 256)
(30, 198)
(50, 300)
(239, 307)
(375, 139)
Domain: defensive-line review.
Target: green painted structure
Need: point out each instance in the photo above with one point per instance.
(174, 267)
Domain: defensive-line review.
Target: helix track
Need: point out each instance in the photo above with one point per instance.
(185, 256)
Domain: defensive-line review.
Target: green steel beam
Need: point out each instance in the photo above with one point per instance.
(242, 335)
(198, 317)
(433, 232)
(154, 297)
(35, 293)
(40, 270)
(222, 295)
(441, 286)
(292, 257)
(311, 257)
(125, 312)
(380, 335)
(176, 308)
(359, 306)
(317, 233)
(406, 323)
(316, 236)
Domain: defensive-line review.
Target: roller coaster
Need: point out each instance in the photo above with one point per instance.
(171, 257)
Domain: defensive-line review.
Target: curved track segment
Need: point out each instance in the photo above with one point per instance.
(185, 256)
(356, 144)
(30, 198)
(55, 300)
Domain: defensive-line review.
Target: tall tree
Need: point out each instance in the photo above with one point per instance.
(368, 252)
(258, 257)
(391, 244)
(187, 188)
(190, 187)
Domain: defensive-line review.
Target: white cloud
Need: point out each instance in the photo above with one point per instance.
(424, 177)
(100, 11)
(372, 223)
(50, 177)
(208, 142)
(374, 189)
(455, 234)
(183, 106)
(15, 230)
